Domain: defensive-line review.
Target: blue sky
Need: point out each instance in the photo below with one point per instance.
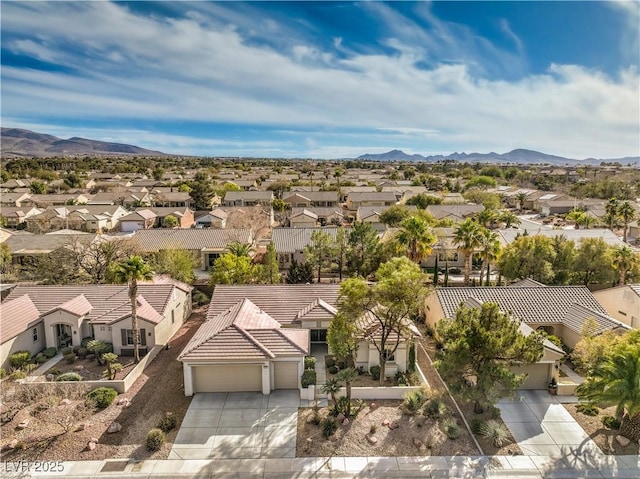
(327, 79)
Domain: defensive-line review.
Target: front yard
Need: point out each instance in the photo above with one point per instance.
(90, 369)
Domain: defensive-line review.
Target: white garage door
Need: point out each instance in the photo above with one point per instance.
(285, 375)
(538, 376)
(227, 378)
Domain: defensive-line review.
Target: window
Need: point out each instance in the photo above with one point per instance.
(102, 328)
(34, 331)
(622, 313)
(127, 337)
(389, 355)
(173, 316)
(129, 334)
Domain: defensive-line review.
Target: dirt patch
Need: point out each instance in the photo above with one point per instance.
(158, 390)
(604, 438)
(90, 370)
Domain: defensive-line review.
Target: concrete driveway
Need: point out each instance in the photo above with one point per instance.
(543, 427)
(245, 425)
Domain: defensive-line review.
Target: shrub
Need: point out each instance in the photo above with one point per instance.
(54, 371)
(333, 370)
(329, 427)
(611, 422)
(50, 352)
(495, 412)
(85, 341)
(101, 397)
(199, 298)
(40, 358)
(413, 401)
(18, 374)
(411, 361)
(76, 348)
(71, 358)
(19, 358)
(451, 428)
(360, 370)
(435, 408)
(82, 352)
(167, 423)
(69, 377)
(3, 373)
(29, 367)
(66, 350)
(308, 378)
(476, 425)
(155, 439)
(309, 362)
(329, 361)
(588, 409)
(373, 429)
(401, 378)
(495, 432)
(375, 372)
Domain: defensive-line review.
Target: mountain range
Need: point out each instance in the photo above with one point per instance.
(18, 142)
(515, 156)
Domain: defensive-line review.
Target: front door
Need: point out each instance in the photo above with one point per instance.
(63, 335)
(318, 335)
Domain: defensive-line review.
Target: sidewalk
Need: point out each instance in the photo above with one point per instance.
(512, 467)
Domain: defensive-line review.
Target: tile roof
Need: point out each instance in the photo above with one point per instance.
(547, 304)
(577, 315)
(17, 314)
(509, 235)
(372, 196)
(290, 240)
(313, 195)
(191, 239)
(317, 310)
(248, 195)
(526, 283)
(304, 212)
(244, 331)
(78, 306)
(282, 302)
(47, 242)
(459, 211)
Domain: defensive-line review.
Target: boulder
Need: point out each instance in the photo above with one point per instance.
(23, 424)
(91, 445)
(114, 427)
(345, 422)
(373, 406)
(126, 402)
(372, 439)
(79, 367)
(94, 439)
(65, 402)
(81, 427)
(50, 377)
(394, 425)
(417, 442)
(12, 444)
(340, 417)
(623, 441)
(385, 422)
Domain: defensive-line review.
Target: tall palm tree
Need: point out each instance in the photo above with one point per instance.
(131, 271)
(623, 260)
(577, 217)
(239, 249)
(628, 214)
(509, 219)
(521, 197)
(617, 382)
(490, 245)
(467, 238)
(612, 212)
(415, 235)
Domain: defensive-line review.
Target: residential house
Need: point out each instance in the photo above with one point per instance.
(563, 206)
(507, 236)
(245, 184)
(43, 201)
(456, 213)
(346, 190)
(214, 219)
(183, 214)
(14, 215)
(89, 218)
(16, 199)
(248, 198)
(58, 316)
(324, 217)
(27, 247)
(303, 218)
(207, 244)
(309, 199)
(172, 199)
(124, 198)
(290, 243)
(357, 200)
(141, 219)
(622, 303)
(371, 214)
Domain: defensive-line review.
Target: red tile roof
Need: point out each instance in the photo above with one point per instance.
(16, 316)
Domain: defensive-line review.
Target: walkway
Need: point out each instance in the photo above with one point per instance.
(543, 427)
(319, 351)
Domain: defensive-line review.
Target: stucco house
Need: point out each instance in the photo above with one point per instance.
(35, 317)
(622, 303)
(290, 243)
(256, 336)
(214, 219)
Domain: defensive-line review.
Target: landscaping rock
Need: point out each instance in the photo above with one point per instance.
(50, 377)
(91, 445)
(385, 422)
(126, 402)
(65, 402)
(372, 439)
(79, 367)
(417, 442)
(623, 441)
(345, 422)
(373, 406)
(81, 427)
(394, 425)
(94, 439)
(114, 427)
(23, 424)
(340, 417)
(12, 444)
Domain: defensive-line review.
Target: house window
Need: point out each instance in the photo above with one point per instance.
(173, 316)
(102, 328)
(127, 337)
(34, 331)
(129, 334)
(389, 355)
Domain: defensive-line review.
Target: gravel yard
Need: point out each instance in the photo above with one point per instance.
(157, 391)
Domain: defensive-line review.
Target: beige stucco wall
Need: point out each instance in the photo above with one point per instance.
(62, 317)
(23, 342)
(434, 310)
(622, 304)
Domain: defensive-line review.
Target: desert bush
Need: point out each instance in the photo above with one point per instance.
(309, 362)
(495, 412)
(199, 298)
(27, 368)
(17, 374)
(588, 409)
(611, 422)
(66, 350)
(167, 423)
(413, 401)
(308, 378)
(85, 341)
(375, 372)
(401, 378)
(102, 397)
(329, 361)
(40, 358)
(82, 352)
(97, 347)
(76, 348)
(329, 427)
(450, 428)
(19, 358)
(495, 431)
(435, 408)
(72, 376)
(315, 418)
(70, 358)
(50, 352)
(476, 425)
(155, 439)
(3, 373)
(360, 370)
(333, 370)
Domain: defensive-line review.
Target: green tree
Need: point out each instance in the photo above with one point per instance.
(342, 338)
(341, 250)
(617, 382)
(521, 197)
(270, 267)
(386, 308)
(299, 273)
(628, 214)
(240, 249)
(233, 269)
(170, 221)
(364, 249)
(415, 238)
(157, 173)
(73, 180)
(113, 366)
(562, 264)
(486, 218)
(528, 257)
(593, 262)
(38, 188)
(467, 238)
(177, 263)
(490, 246)
(394, 215)
(480, 346)
(508, 219)
(347, 376)
(201, 191)
(624, 261)
(481, 181)
(612, 213)
(577, 216)
(131, 271)
(318, 252)
(422, 200)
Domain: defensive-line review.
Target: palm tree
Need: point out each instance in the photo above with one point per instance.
(490, 248)
(628, 214)
(587, 221)
(131, 271)
(467, 238)
(521, 197)
(576, 216)
(487, 217)
(331, 387)
(509, 219)
(612, 211)
(415, 235)
(617, 382)
(239, 249)
(623, 260)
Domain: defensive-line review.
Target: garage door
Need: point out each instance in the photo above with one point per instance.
(285, 375)
(227, 378)
(538, 376)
